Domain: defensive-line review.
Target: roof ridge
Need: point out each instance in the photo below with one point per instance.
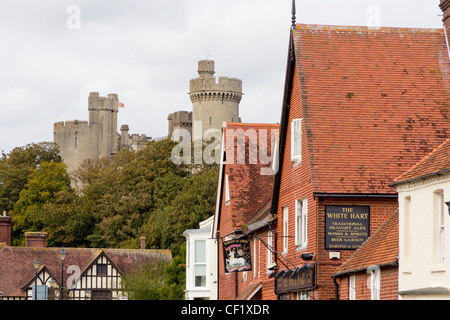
(365, 28)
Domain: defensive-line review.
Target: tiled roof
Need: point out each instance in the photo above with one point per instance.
(16, 263)
(379, 249)
(249, 188)
(374, 102)
(438, 161)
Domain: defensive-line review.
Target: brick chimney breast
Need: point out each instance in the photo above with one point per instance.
(36, 239)
(445, 7)
(5, 229)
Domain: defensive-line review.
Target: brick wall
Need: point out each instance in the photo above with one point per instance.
(388, 285)
(5, 230)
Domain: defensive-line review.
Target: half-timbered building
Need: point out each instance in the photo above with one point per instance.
(36, 272)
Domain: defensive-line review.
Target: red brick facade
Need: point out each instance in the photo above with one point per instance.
(249, 192)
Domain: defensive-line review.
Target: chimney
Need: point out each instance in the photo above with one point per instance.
(5, 229)
(36, 239)
(143, 239)
(445, 7)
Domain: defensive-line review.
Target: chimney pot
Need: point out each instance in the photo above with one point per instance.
(143, 239)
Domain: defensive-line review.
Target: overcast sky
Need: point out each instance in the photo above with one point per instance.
(54, 52)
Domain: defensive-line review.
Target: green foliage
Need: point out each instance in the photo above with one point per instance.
(146, 282)
(18, 165)
(113, 204)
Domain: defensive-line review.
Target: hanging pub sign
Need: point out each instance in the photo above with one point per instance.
(294, 280)
(346, 227)
(237, 257)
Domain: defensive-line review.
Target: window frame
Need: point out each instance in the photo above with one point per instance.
(301, 223)
(200, 265)
(296, 141)
(285, 228)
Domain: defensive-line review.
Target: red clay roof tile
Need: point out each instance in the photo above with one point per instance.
(437, 161)
(374, 102)
(379, 249)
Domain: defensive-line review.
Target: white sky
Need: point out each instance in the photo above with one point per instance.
(146, 51)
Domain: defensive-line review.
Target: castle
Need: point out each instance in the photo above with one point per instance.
(213, 103)
(96, 138)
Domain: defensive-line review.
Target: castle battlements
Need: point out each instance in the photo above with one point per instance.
(71, 125)
(96, 138)
(215, 100)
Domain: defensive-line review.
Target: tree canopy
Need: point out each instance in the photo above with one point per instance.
(109, 203)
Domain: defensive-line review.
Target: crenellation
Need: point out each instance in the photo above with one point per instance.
(79, 140)
(215, 100)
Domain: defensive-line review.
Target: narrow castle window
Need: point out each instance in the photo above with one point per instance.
(76, 142)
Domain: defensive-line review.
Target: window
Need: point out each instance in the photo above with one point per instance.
(439, 227)
(374, 283)
(302, 295)
(301, 222)
(227, 191)
(269, 247)
(352, 287)
(200, 263)
(407, 232)
(275, 158)
(255, 257)
(285, 228)
(101, 295)
(41, 292)
(102, 270)
(296, 141)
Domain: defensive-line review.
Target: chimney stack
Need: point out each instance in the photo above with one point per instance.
(5, 229)
(445, 7)
(143, 239)
(36, 239)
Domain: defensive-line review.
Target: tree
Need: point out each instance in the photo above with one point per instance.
(18, 165)
(46, 185)
(146, 282)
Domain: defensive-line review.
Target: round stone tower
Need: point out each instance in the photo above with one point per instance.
(213, 102)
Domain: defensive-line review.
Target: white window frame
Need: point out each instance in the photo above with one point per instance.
(407, 232)
(296, 141)
(352, 287)
(269, 247)
(375, 275)
(439, 228)
(301, 222)
(227, 190)
(285, 228)
(198, 264)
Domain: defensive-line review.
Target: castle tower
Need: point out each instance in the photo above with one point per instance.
(98, 138)
(213, 102)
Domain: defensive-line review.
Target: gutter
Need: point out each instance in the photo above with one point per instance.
(438, 173)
